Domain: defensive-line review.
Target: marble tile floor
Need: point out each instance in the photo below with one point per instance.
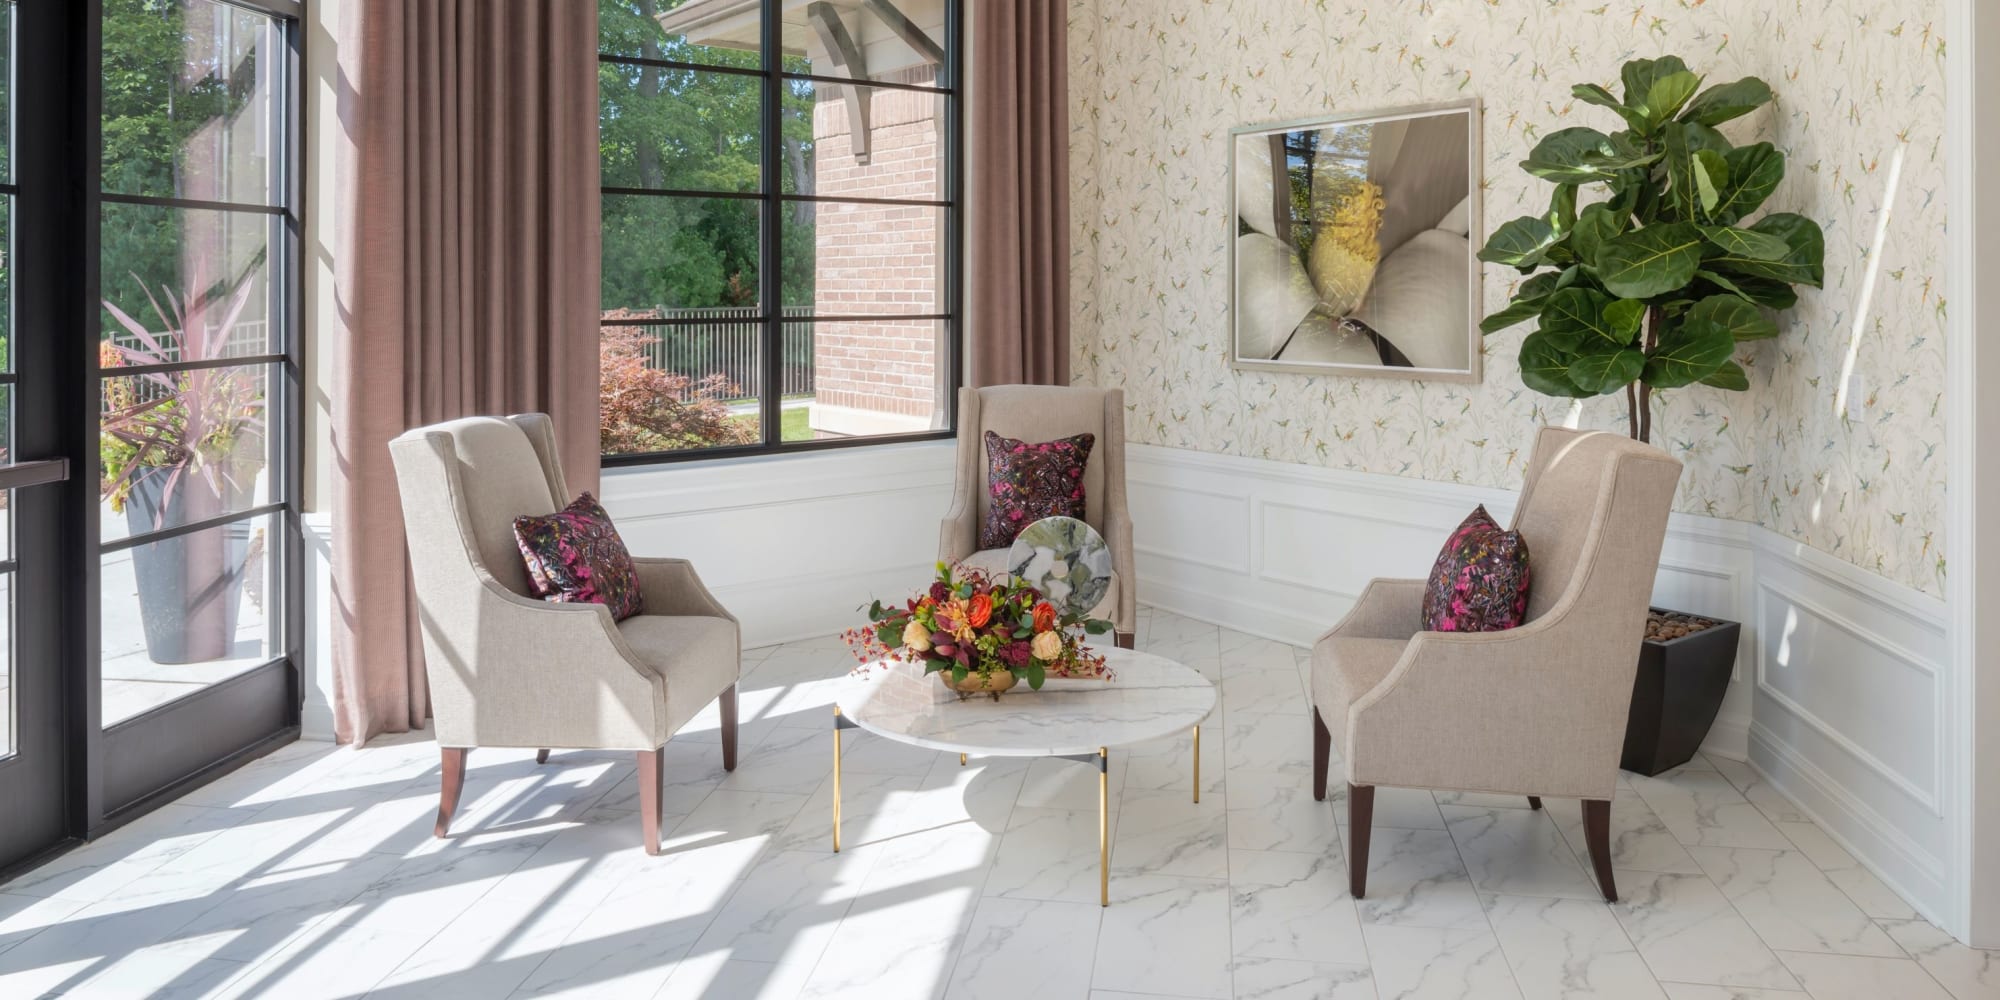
(312, 873)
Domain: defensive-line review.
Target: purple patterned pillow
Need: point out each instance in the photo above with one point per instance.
(1480, 581)
(575, 555)
(1028, 482)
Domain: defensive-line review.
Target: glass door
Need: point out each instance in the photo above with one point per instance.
(149, 405)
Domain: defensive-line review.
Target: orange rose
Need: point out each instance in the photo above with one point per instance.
(981, 611)
(1045, 617)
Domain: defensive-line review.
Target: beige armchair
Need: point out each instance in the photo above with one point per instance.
(1045, 413)
(510, 670)
(1536, 710)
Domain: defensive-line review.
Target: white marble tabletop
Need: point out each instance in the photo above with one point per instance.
(1149, 697)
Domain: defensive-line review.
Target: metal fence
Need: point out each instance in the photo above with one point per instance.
(245, 340)
(729, 342)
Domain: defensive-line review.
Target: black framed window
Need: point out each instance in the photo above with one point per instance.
(781, 224)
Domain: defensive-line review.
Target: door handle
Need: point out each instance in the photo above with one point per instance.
(20, 474)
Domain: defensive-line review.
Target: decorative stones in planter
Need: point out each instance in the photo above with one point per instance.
(1684, 669)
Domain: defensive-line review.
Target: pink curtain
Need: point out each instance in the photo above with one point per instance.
(1017, 101)
(466, 278)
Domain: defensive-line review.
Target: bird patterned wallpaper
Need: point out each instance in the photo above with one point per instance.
(1156, 85)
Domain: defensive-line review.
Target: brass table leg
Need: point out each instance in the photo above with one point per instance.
(837, 727)
(961, 760)
(1197, 764)
(1103, 827)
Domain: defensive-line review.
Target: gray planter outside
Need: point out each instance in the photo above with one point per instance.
(190, 586)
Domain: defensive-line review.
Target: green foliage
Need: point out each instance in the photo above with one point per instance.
(1658, 282)
(689, 130)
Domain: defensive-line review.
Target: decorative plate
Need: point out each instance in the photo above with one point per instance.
(1065, 559)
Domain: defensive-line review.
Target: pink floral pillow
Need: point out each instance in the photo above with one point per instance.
(1028, 482)
(575, 556)
(1480, 581)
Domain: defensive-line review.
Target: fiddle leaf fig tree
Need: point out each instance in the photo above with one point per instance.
(1655, 285)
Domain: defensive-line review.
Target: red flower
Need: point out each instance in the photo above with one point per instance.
(1045, 616)
(981, 610)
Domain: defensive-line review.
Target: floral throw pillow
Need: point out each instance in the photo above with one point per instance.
(575, 556)
(1480, 580)
(1028, 482)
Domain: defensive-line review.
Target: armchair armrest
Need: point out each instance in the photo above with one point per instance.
(958, 533)
(671, 587)
(1386, 609)
(1537, 710)
(514, 671)
(1118, 535)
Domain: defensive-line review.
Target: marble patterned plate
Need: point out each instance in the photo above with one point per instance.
(1065, 559)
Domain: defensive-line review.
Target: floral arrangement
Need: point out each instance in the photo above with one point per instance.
(968, 624)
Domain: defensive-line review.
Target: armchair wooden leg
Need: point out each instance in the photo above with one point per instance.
(542, 756)
(1360, 817)
(728, 703)
(1322, 751)
(1597, 834)
(1125, 640)
(449, 786)
(1534, 802)
(649, 797)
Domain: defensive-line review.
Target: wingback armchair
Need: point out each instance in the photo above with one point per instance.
(1535, 710)
(1045, 413)
(509, 670)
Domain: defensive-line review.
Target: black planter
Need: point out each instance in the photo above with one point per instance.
(1680, 687)
(190, 586)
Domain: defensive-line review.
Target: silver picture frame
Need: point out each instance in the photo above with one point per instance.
(1378, 296)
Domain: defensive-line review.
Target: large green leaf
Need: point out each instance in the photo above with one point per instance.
(1688, 352)
(1606, 371)
(1640, 74)
(1591, 93)
(1729, 376)
(1711, 174)
(1668, 94)
(1803, 263)
(1761, 291)
(1681, 194)
(1560, 156)
(1521, 309)
(1625, 154)
(1726, 101)
(1754, 172)
(1545, 368)
(1745, 242)
(1742, 320)
(1562, 209)
(1522, 243)
(1595, 224)
(1624, 316)
(1651, 261)
(1574, 317)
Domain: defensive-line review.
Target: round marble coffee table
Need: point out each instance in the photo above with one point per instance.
(1147, 698)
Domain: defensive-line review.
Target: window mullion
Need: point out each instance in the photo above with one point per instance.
(770, 248)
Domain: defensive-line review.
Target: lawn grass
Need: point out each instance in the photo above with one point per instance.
(794, 425)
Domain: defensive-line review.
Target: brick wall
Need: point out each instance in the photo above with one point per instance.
(877, 376)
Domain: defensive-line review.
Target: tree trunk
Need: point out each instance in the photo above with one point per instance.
(1643, 408)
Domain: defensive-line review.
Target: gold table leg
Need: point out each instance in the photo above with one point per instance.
(961, 760)
(1197, 764)
(1103, 827)
(836, 778)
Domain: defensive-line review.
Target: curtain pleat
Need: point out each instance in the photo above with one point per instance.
(1017, 100)
(466, 278)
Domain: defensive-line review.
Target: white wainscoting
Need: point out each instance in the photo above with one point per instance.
(1836, 696)
(793, 544)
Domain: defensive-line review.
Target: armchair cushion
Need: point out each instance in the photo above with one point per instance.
(993, 563)
(696, 655)
(1026, 482)
(1480, 580)
(575, 556)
